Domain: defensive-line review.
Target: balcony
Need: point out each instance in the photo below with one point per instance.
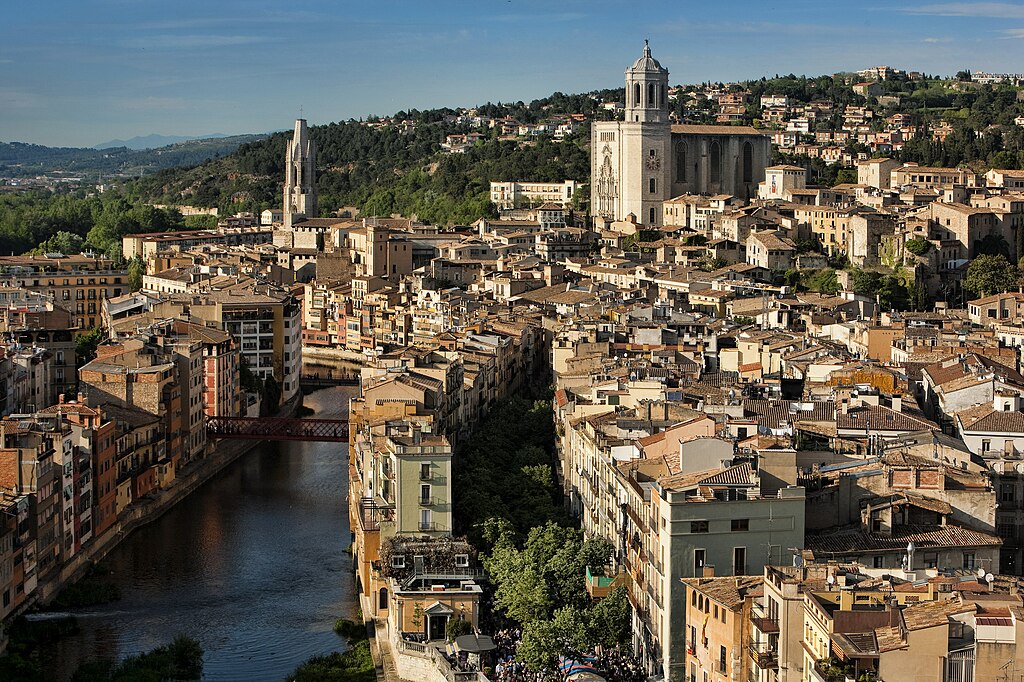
(765, 624)
(371, 515)
(599, 586)
(765, 657)
(428, 501)
(429, 527)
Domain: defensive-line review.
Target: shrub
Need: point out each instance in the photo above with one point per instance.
(457, 627)
(919, 246)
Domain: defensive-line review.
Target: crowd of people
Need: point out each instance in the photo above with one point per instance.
(615, 666)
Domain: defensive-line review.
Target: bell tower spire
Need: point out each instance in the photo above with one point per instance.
(300, 199)
(647, 90)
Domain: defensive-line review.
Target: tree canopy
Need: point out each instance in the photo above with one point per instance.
(991, 274)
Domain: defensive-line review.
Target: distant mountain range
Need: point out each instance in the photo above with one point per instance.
(153, 141)
(18, 159)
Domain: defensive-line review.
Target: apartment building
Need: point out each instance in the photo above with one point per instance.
(514, 194)
(264, 320)
(79, 283)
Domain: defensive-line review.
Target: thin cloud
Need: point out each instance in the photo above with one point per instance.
(933, 41)
(1013, 33)
(185, 42)
(18, 99)
(154, 103)
(981, 10)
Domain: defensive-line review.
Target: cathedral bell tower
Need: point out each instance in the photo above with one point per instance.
(647, 90)
(300, 176)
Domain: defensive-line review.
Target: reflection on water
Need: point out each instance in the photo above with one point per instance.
(252, 565)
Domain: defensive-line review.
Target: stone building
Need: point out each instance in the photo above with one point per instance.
(640, 162)
(300, 197)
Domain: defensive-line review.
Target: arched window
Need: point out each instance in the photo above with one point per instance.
(715, 151)
(748, 162)
(652, 101)
(680, 161)
(636, 94)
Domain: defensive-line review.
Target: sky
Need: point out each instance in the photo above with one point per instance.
(81, 72)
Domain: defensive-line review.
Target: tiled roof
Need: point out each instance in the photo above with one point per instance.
(770, 412)
(737, 475)
(932, 614)
(730, 591)
(880, 418)
(994, 422)
(889, 638)
(733, 475)
(857, 540)
(678, 129)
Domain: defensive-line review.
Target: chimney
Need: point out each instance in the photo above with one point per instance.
(897, 402)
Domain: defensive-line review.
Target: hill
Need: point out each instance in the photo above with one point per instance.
(154, 141)
(18, 159)
(396, 165)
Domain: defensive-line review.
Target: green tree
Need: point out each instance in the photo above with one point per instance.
(918, 246)
(988, 274)
(86, 344)
(136, 271)
(547, 573)
(824, 281)
(609, 620)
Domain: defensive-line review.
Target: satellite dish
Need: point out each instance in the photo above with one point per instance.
(989, 577)
(981, 573)
(831, 580)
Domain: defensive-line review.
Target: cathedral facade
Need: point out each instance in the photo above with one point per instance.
(640, 162)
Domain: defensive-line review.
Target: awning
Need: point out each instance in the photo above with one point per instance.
(474, 644)
(573, 668)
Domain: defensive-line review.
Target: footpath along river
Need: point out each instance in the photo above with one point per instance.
(252, 565)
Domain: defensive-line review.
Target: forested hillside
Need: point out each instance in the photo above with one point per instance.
(397, 165)
(387, 169)
(18, 159)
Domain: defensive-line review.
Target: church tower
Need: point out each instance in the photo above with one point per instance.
(647, 90)
(300, 177)
(630, 169)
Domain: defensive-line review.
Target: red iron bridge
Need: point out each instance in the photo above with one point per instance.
(278, 428)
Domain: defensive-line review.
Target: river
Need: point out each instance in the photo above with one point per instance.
(253, 565)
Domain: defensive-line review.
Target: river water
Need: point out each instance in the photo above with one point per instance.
(252, 564)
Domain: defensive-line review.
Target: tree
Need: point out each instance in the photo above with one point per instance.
(963, 75)
(609, 620)
(136, 271)
(824, 281)
(918, 246)
(988, 274)
(456, 627)
(86, 343)
(548, 573)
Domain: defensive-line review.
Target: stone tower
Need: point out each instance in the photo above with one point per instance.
(630, 159)
(647, 90)
(300, 177)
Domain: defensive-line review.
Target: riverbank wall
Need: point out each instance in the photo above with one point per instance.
(149, 509)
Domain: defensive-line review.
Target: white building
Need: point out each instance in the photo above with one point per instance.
(513, 194)
(638, 163)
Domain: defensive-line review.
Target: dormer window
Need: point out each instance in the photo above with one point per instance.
(462, 561)
(398, 561)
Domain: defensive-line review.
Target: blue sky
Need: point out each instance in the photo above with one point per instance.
(85, 71)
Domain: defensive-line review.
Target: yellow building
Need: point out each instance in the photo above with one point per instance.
(718, 626)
